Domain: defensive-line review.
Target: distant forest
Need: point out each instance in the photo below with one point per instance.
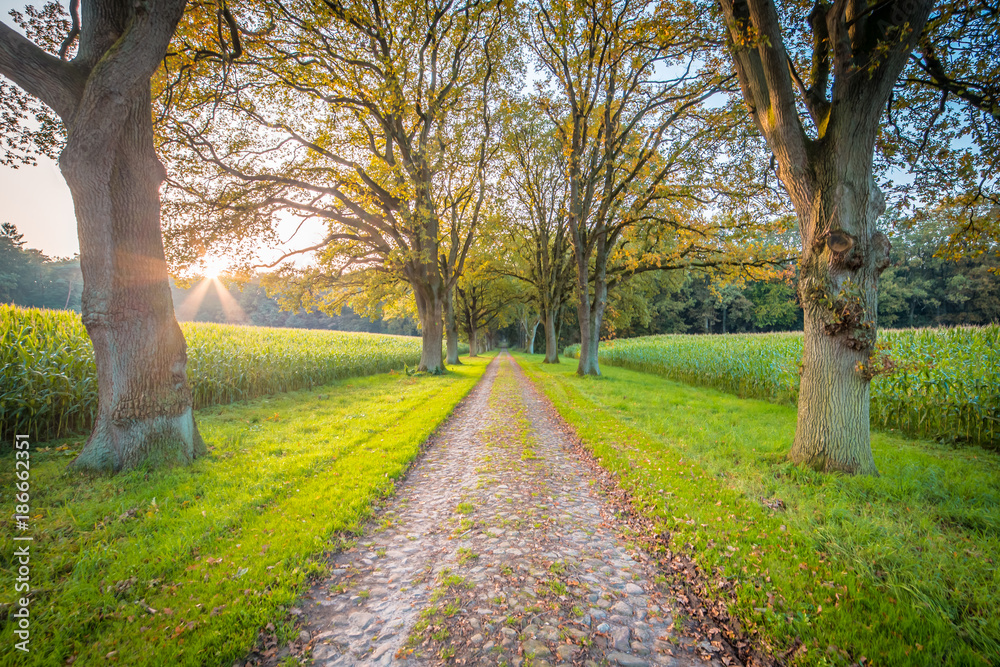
(918, 290)
(30, 278)
(258, 309)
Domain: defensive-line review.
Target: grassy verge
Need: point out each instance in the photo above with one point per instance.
(901, 569)
(183, 566)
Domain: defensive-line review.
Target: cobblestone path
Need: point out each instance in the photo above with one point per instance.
(497, 550)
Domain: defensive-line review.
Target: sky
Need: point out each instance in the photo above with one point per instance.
(37, 200)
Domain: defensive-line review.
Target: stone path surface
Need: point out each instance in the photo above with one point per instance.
(497, 550)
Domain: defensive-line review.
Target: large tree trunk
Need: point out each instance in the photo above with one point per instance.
(589, 364)
(592, 314)
(451, 329)
(583, 314)
(833, 421)
(430, 310)
(144, 403)
(103, 97)
(838, 286)
(829, 180)
(551, 337)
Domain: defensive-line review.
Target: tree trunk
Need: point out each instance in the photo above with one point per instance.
(144, 403)
(531, 338)
(473, 342)
(583, 312)
(430, 310)
(451, 328)
(833, 420)
(551, 338)
(592, 314)
(838, 286)
(829, 180)
(144, 414)
(589, 364)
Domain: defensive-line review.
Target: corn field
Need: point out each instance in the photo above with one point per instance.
(946, 384)
(48, 379)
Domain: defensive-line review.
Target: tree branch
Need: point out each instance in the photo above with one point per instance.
(74, 31)
(56, 83)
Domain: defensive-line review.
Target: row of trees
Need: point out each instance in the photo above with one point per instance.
(920, 288)
(398, 127)
(403, 129)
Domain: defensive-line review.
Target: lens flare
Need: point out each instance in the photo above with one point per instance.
(214, 266)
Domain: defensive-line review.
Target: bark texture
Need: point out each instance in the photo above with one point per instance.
(144, 409)
(451, 329)
(531, 337)
(843, 255)
(109, 162)
(830, 181)
(590, 309)
(551, 337)
(430, 310)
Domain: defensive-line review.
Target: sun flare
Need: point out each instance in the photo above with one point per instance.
(213, 266)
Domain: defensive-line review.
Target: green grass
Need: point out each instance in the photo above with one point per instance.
(218, 548)
(904, 566)
(946, 384)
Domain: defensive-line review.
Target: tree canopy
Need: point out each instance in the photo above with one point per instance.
(374, 119)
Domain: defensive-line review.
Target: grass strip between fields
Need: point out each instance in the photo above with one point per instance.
(900, 569)
(183, 566)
